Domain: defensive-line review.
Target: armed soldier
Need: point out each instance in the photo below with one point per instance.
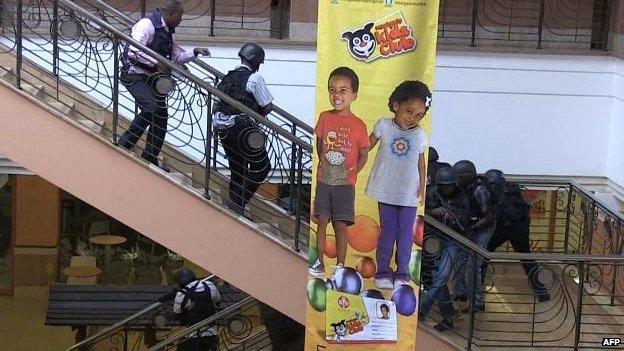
(448, 204)
(482, 226)
(512, 224)
(242, 139)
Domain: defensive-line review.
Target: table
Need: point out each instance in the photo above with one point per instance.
(108, 241)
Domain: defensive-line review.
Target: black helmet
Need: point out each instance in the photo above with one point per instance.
(252, 53)
(465, 167)
(446, 176)
(433, 154)
(495, 176)
(184, 276)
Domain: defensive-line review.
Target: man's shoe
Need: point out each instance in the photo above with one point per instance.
(462, 298)
(444, 325)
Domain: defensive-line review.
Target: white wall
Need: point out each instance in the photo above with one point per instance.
(524, 114)
(615, 159)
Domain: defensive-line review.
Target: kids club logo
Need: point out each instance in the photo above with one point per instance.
(389, 36)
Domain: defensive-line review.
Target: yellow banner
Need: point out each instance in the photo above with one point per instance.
(376, 62)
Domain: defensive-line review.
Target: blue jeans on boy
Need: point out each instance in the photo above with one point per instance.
(438, 289)
(397, 226)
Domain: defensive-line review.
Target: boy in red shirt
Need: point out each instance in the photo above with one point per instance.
(342, 146)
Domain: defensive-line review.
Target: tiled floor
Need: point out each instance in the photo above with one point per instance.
(22, 325)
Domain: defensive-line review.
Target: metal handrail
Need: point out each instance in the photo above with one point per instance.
(283, 113)
(182, 72)
(182, 333)
(90, 340)
(516, 257)
(122, 323)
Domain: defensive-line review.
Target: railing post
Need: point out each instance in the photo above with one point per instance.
(566, 239)
(540, 26)
(213, 15)
(614, 282)
(115, 88)
(293, 164)
(142, 8)
(472, 296)
(18, 42)
(590, 226)
(126, 337)
(298, 197)
(2, 17)
(579, 305)
(475, 13)
(208, 150)
(55, 47)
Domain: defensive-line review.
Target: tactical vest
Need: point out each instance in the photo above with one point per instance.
(201, 304)
(162, 44)
(475, 208)
(512, 207)
(234, 84)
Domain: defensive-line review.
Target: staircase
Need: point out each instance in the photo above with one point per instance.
(64, 109)
(62, 116)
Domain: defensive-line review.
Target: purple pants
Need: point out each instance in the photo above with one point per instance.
(397, 226)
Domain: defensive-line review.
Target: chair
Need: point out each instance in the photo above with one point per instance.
(82, 261)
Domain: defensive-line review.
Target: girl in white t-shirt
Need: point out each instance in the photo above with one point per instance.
(397, 180)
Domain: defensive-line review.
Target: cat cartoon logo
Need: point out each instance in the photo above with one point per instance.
(361, 42)
(388, 36)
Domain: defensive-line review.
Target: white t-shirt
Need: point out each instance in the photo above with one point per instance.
(395, 179)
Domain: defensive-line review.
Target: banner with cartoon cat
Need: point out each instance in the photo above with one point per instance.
(376, 62)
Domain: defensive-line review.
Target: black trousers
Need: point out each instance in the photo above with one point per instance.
(204, 343)
(517, 233)
(153, 116)
(249, 167)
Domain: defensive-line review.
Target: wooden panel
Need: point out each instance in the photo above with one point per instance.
(37, 215)
(35, 267)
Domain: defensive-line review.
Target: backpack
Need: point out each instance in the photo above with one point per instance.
(201, 304)
(512, 207)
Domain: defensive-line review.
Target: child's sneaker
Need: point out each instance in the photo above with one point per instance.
(383, 283)
(316, 269)
(399, 282)
(338, 266)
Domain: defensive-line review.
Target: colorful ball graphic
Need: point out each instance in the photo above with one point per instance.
(414, 266)
(317, 294)
(330, 246)
(419, 230)
(405, 299)
(347, 280)
(366, 267)
(363, 235)
(373, 294)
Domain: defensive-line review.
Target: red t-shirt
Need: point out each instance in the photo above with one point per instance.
(342, 136)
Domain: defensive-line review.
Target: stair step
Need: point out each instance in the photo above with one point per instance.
(183, 178)
(92, 125)
(7, 74)
(35, 90)
(62, 107)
